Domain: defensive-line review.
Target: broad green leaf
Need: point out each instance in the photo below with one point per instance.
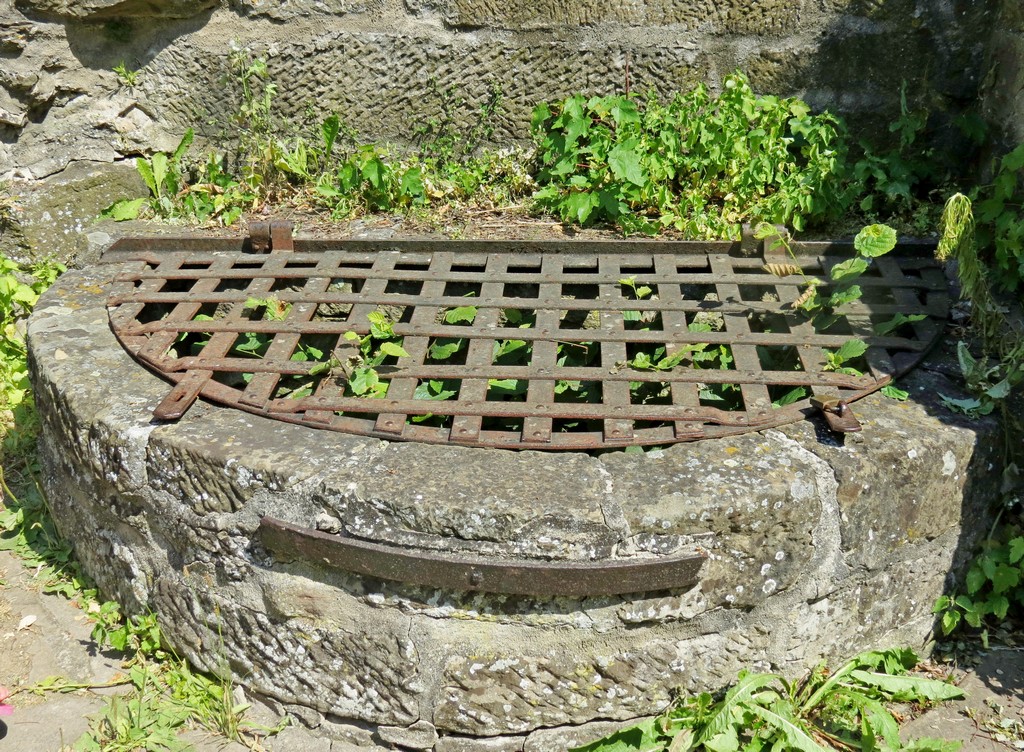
(329, 132)
(506, 386)
(625, 111)
(412, 183)
(380, 325)
(849, 269)
(394, 350)
(363, 380)
(682, 741)
(145, 169)
(1016, 550)
(895, 393)
(1000, 390)
(998, 606)
(932, 745)
(842, 297)
(442, 349)
(125, 209)
(432, 390)
(373, 172)
(727, 741)
(875, 240)
(1004, 577)
(852, 348)
(896, 322)
(793, 395)
(462, 313)
(624, 162)
(908, 688)
(541, 114)
(722, 720)
(159, 164)
(876, 722)
(643, 736)
(797, 738)
(1014, 161)
(182, 147)
(579, 205)
(970, 406)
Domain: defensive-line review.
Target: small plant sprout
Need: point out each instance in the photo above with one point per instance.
(127, 76)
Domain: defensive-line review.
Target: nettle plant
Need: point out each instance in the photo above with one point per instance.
(823, 302)
(699, 164)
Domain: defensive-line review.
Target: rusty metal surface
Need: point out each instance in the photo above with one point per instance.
(492, 575)
(183, 314)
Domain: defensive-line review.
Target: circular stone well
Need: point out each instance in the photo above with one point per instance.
(813, 547)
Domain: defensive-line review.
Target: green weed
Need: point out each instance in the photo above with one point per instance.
(166, 694)
(212, 194)
(128, 77)
(1000, 220)
(845, 710)
(994, 586)
(699, 164)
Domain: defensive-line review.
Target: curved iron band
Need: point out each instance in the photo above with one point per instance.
(504, 576)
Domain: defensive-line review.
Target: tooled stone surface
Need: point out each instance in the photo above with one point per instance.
(384, 63)
(165, 517)
(734, 16)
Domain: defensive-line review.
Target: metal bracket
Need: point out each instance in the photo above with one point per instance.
(574, 579)
(838, 413)
(271, 237)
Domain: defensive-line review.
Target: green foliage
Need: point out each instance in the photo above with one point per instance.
(989, 384)
(369, 181)
(699, 164)
(824, 303)
(166, 695)
(211, 194)
(126, 76)
(999, 370)
(20, 288)
(1000, 220)
(843, 710)
(994, 587)
(835, 360)
(885, 180)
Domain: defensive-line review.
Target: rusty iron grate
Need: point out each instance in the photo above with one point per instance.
(532, 345)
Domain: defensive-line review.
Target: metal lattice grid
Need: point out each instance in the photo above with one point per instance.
(266, 334)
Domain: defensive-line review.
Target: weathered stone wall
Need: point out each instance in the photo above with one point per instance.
(1004, 92)
(373, 60)
(383, 63)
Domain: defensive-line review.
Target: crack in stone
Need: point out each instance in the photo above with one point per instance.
(614, 517)
(826, 536)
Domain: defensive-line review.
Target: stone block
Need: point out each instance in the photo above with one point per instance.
(102, 9)
(54, 214)
(733, 17)
(484, 744)
(420, 735)
(392, 82)
(937, 472)
(759, 500)
(561, 739)
(290, 10)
